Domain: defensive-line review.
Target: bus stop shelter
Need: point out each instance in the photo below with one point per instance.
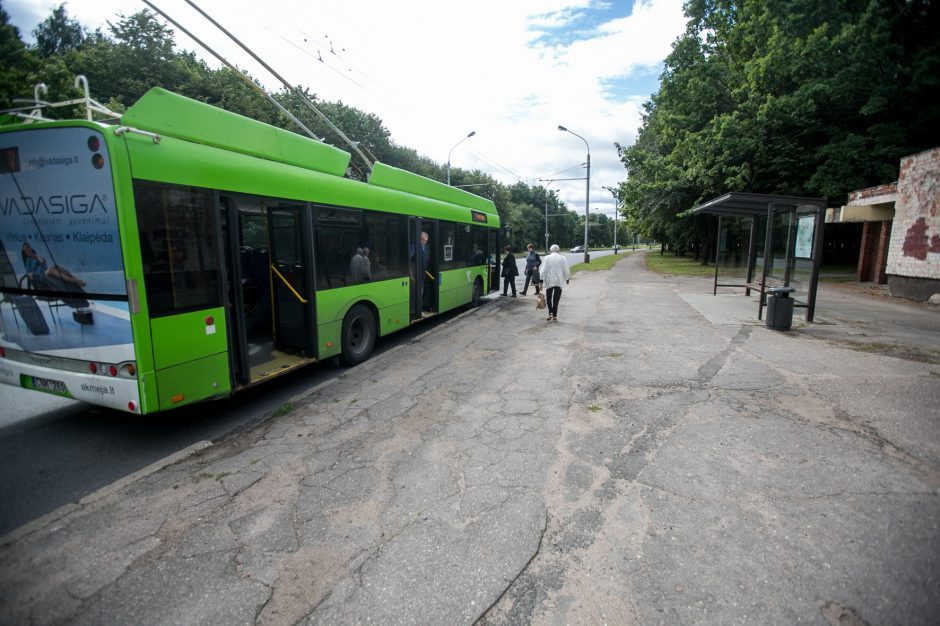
(788, 255)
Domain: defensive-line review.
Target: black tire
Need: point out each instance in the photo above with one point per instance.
(359, 333)
(477, 294)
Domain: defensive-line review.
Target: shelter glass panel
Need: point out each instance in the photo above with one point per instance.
(761, 244)
(783, 235)
(733, 241)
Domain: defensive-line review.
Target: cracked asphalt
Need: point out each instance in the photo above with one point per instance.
(633, 463)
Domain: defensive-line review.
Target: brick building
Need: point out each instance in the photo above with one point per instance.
(900, 238)
(914, 250)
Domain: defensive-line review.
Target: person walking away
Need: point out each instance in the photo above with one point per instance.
(510, 271)
(555, 273)
(532, 263)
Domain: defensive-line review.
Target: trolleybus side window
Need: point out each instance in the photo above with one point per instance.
(478, 236)
(386, 236)
(456, 247)
(450, 254)
(469, 255)
(178, 247)
(349, 253)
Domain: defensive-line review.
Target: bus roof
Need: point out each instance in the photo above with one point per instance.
(166, 113)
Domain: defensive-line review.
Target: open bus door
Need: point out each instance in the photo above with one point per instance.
(292, 278)
(270, 287)
(492, 255)
(424, 265)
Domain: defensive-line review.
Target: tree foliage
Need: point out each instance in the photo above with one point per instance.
(802, 97)
(58, 34)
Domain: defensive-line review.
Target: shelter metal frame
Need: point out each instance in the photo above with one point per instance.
(753, 206)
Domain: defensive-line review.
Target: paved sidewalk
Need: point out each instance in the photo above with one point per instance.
(643, 460)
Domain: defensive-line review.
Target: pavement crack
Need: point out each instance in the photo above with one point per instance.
(668, 492)
(710, 369)
(519, 574)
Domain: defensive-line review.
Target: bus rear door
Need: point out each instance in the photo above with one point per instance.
(269, 285)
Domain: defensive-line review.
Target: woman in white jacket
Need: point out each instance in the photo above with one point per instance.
(555, 273)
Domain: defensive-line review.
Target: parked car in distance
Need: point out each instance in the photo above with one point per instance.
(577, 249)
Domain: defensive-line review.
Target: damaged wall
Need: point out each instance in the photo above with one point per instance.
(914, 254)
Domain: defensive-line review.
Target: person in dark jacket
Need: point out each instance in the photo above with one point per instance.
(510, 271)
(532, 264)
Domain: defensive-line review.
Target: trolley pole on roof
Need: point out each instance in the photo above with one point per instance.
(290, 87)
(236, 71)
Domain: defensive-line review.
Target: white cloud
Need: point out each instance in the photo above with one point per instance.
(433, 71)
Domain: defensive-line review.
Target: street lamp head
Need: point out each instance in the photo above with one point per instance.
(472, 133)
(562, 128)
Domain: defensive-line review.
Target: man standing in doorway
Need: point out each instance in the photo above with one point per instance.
(424, 254)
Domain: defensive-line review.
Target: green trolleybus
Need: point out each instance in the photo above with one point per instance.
(183, 252)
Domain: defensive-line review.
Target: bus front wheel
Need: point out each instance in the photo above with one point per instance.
(358, 335)
(477, 293)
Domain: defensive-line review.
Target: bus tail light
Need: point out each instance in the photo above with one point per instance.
(131, 407)
(127, 369)
(112, 369)
(93, 368)
(3, 353)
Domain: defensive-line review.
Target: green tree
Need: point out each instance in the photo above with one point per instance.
(58, 34)
(140, 56)
(17, 63)
(802, 97)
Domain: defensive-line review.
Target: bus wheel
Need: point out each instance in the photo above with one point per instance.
(477, 293)
(358, 335)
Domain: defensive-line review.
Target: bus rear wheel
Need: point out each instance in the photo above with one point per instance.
(358, 335)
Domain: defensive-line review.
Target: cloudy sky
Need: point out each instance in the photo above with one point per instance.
(434, 70)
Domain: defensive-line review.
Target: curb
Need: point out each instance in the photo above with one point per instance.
(41, 522)
(49, 518)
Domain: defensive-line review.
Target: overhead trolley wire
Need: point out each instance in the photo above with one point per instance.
(236, 71)
(316, 58)
(493, 163)
(573, 167)
(288, 85)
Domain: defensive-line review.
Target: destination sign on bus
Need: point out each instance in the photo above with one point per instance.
(478, 216)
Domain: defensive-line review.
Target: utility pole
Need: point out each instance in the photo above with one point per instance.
(546, 221)
(616, 211)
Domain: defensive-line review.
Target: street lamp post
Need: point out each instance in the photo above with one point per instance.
(587, 191)
(472, 133)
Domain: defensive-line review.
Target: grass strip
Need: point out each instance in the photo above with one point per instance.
(599, 263)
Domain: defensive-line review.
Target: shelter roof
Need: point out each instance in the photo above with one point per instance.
(740, 203)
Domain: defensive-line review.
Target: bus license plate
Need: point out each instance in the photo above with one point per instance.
(47, 384)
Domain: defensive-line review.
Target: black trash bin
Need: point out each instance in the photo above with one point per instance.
(780, 308)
